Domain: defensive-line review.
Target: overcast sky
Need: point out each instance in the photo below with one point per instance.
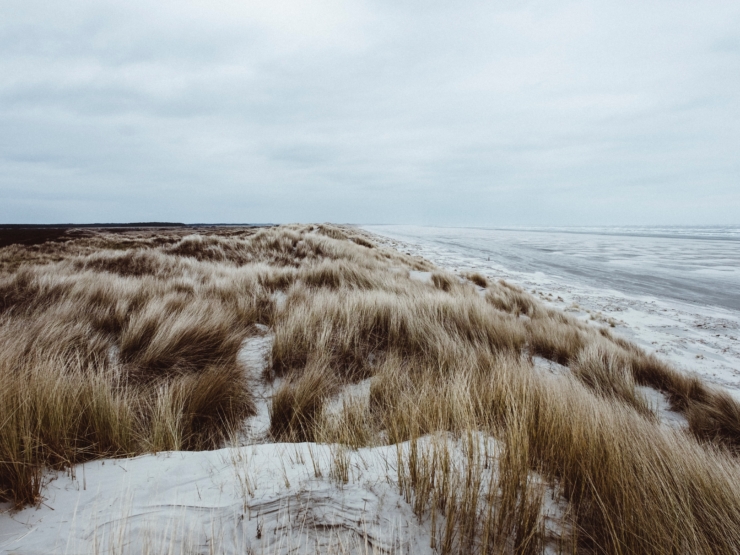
(428, 112)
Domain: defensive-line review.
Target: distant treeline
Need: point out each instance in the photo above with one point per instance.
(70, 226)
(36, 234)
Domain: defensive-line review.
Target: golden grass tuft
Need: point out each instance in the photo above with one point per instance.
(477, 278)
(510, 298)
(602, 367)
(297, 405)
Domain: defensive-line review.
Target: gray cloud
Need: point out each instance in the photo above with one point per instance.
(471, 113)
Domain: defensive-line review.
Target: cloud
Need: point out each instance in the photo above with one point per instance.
(470, 113)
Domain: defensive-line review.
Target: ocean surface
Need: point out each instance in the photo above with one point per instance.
(699, 265)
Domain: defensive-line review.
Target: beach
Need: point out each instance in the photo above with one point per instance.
(674, 291)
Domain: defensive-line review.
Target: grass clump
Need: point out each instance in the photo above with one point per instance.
(297, 405)
(606, 371)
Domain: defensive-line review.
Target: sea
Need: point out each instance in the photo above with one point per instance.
(698, 265)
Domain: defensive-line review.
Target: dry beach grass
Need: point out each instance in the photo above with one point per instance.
(116, 344)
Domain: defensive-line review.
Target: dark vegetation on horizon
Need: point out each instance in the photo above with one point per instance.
(102, 226)
(118, 343)
(37, 234)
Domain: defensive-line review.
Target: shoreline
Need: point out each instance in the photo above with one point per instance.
(693, 337)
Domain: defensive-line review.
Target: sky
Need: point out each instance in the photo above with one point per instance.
(459, 113)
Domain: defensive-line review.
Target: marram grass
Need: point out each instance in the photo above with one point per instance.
(113, 345)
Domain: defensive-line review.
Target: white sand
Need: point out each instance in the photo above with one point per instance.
(266, 498)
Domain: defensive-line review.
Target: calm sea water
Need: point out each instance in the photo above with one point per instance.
(692, 264)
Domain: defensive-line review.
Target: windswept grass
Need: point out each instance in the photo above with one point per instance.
(607, 371)
(118, 344)
(297, 405)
